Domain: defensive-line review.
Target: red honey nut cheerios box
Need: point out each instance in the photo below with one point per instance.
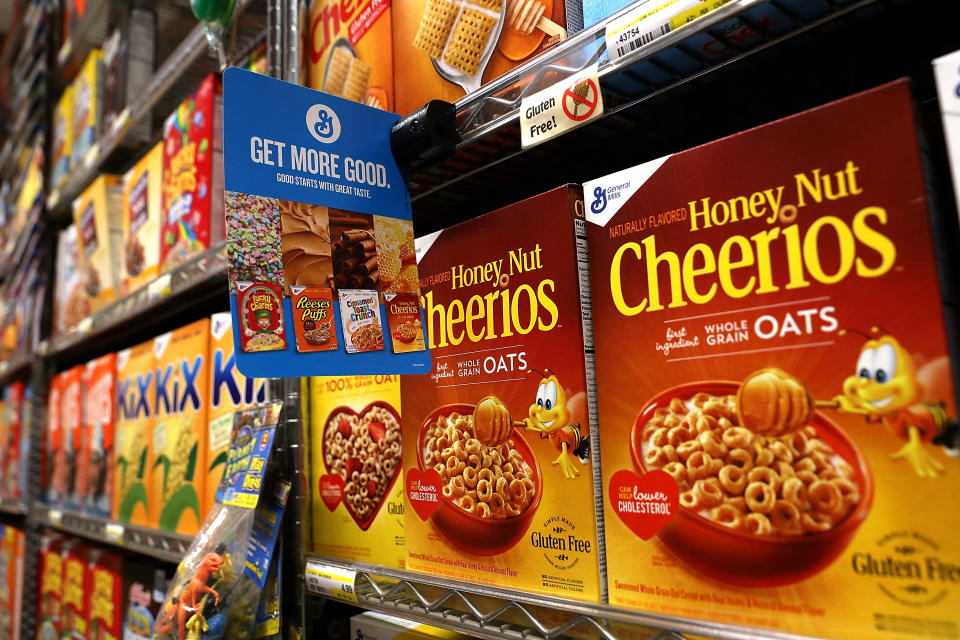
(774, 381)
(498, 437)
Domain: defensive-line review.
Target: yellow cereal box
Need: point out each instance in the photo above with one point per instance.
(349, 45)
(229, 390)
(179, 435)
(62, 138)
(355, 469)
(97, 216)
(132, 433)
(86, 105)
(142, 211)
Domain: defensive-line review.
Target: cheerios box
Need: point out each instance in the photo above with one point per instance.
(229, 391)
(349, 49)
(98, 424)
(133, 434)
(179, 437)
(773, 380)
(356, 476)
(499, 439)
(142, 217)
(71, 467)
(97, 215)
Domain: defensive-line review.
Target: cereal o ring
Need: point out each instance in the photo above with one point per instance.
(737, 503)
(660, 437)
(678, 472)
(757, 524)
(807, 477)
(467, 503)
(733, 479)
(760, 497)
(686, 449)
(727, 515)
(447, 491)
(805, 464)
(737, 438)
(781, 451)
(678, 435)
(709, 493)
(706, 423)
(484, 491)
(765, 475)
(689, 500)
(517, 491)
(764, 458)
(815, 522)
(795, 491)
(825, 496)
(785, 517)
(699, 465)
(670, 453)
(654, 457)
(784, 469)
(848, 490)
(497, 503)
(469, 477)
(740, 458)
(712, 443)
(797, 442)
(482, 509)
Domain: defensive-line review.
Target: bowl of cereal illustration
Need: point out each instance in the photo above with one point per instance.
(489, 494)
(754, 510)
(363, 448)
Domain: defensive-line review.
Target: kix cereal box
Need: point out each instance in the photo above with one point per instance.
(75, 599)
(229, 390)
(449, 48)
(62, 144)
(98, 217)
(71, 465)
(133, 434)
(50, 484)
(499, 437)
(356, 469)
(142, 217)
(106, 597)
(98, 427)
(350, 53)
(773, 380)
(192, 176)
(179, 437)
(50, 594)
(87, 94)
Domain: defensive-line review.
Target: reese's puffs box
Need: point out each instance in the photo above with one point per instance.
(50, 594)
(229, 390)
(71, 467)
(77, 579)
(97, 453)
(498, 438)
(773, 380)
(106, 597)
(349, 50)
(179, 436)
(133, 434)
(354, 426)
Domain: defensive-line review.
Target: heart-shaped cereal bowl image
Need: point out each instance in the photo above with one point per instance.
(363, 448)
(736, 555)
(469, 532)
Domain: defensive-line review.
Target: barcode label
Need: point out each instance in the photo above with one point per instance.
(330, 581)
(646, 38)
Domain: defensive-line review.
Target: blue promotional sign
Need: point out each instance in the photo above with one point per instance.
(321, 260)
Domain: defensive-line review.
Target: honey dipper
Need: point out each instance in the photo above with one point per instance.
(523, 16)
(492, 422)
(771, 402)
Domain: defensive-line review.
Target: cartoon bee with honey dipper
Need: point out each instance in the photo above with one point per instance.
(549, 415)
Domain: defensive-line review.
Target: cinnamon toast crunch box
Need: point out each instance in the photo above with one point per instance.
(179, 436)
(97, 216)
(773, 380)
(142, 217)
(498, 437)
(133, 433)
(355, 427)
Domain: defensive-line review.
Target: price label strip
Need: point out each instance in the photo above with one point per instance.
(159, 288)
(332, 582)
(113, 532)
(643, 25)
(561, 107)
(56, 517)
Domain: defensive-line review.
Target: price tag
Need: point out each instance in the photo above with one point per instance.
(43, 348)
(64, 52)
(159, 287)
(333, 582)
(122, 121)
(114, 532)
(651, 20)
(53, 199)
(85, 325)
(92, 155)
(56, 517)
(561, 107)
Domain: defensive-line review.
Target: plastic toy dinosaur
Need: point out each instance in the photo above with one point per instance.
(190, 599)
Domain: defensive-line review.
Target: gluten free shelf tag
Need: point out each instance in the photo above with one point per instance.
(561, 107)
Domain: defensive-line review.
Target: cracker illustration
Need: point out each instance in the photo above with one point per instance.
(435, 27)
(469, 39)
(340, 61)
(493, 5)
(357, 80)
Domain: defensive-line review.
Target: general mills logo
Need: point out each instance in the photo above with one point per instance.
(599, 200)
(323, 123)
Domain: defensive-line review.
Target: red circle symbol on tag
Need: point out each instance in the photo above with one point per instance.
(573, 103)
(423, 490)
(645, 504)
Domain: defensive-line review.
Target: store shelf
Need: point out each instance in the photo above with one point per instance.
(206, 274)
(13, 507)
(17, 364)
(163, 545)
(495, 613)
(90, 31)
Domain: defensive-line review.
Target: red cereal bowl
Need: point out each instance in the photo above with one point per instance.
(466, 531)
(741, 558)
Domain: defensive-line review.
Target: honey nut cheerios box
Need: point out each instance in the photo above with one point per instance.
(97, 215)
(499, 438)
(349, 50)
(71, 468)
(98, 424)
(179, 437)
(229, 391)
(356, 475)
(142, 216)
(133, 434)
(774, 382)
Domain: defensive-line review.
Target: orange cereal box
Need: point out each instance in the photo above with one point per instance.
(72, 468)
(133, 434)
(356, 470)
(498, 438)
(179, 435)
(349, 48)
(229, 390)
(774, 383)
(100, 383)
(142, 215)
(97, 216)
(50, 448)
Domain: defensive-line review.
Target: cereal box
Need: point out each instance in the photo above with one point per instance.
(49, 595)
(229, 390)
(97, 215)
(87, 93)
(498, 438)
(62, 144)
(70, 303)
(450, 48)
(12, 549)
(314, 323)
(133, 433)
(350, 53)
(77, 580)
(13, 435)
(356, 476)
(142, 217)
(98, 435)
(106, 597)
(71, 468)
(360, 315)
(49, 491)
(192, 176)
(179, 435)
(403, 319)
(144, 586)
(773, 380)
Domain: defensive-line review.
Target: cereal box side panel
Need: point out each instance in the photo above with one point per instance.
(355, 427)
(69, 460)
(142, 214)
(99, 434)
(49, 487)
(133, 434)
(75, 595)
(106, 596)
(503, 319)
(828, 283)
(49, 594)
